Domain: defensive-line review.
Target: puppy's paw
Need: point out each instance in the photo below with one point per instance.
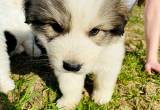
(66, 104)
(101, 97)
(7, 86)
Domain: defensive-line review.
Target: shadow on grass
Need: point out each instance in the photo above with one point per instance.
(23, 64)
(5, 103)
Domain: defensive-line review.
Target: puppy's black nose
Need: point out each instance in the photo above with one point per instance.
(71, 66)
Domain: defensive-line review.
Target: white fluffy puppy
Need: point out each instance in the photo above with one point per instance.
(81, 37)
(18, 37)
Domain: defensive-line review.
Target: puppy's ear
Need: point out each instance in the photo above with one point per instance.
(11, 41)
(130, 3)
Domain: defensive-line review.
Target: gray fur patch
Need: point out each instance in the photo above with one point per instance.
(47, 12)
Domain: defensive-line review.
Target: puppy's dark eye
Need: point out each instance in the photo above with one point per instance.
(38, 23)
(94, 32)
(57, 28)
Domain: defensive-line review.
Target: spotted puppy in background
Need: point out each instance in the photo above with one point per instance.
(17, 45)
(81, 37)
(15, 37)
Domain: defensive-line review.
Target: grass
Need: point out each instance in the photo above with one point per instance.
(37, 87)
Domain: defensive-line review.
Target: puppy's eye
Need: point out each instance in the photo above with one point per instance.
(57, 28)
(94, 32)
(38, 23)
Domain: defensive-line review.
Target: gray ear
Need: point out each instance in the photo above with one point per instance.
(130, 3)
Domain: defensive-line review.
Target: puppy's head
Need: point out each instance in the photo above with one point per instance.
(74, 32)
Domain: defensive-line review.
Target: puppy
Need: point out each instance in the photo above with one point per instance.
(81, 37)
(15, 37)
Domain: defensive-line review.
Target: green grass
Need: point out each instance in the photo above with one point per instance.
(37, 88)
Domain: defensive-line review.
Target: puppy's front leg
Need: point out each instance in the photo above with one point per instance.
(104, 85)
(6, 83)
(71, 86)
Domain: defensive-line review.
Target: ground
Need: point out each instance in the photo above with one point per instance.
(37, 87)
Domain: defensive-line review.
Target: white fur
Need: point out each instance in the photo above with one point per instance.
(12, 19)
(104, 61)
(6, 84)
